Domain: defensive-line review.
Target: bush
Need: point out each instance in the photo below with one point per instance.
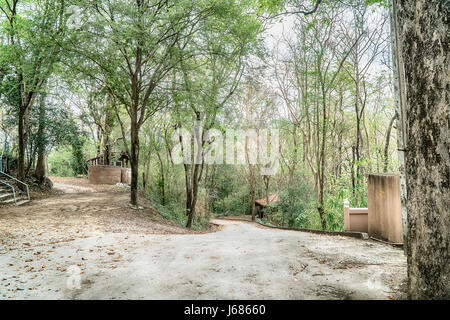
(293, 208)
(60, 164)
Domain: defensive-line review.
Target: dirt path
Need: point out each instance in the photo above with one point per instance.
(126, 254)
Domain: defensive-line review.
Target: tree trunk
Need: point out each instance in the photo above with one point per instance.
(134, 163)
(197, 173)
(147, 169)
(107, 139)
(195, 184)
(425, 47)
(321, 167)
(400, 100)
(252, 196)
(162, 182)
(251, 180)
(22, 144)
(388, 139)
(251, 177)
(40, 165)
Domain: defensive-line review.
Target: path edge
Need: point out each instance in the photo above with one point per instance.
(353, 234)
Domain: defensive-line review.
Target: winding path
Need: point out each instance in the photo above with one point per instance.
(241, 261)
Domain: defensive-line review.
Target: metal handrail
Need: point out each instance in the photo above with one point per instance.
(1, 159)
(20, 182)
(13, 189)
(3, 153)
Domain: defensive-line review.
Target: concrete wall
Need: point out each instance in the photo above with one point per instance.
(385, 215)
(109, 175)
(355, 219)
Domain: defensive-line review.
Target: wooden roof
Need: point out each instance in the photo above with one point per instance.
(272, 199)
(123, 155)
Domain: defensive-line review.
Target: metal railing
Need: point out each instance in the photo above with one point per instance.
(14, 189)
(4, 152)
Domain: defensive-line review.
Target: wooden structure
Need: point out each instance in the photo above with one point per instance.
(118, 159)
(262, 204)
(116, 172)
(109, 175)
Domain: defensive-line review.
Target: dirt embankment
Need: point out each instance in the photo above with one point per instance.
(77, 209)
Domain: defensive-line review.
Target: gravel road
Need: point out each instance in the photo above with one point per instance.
(240, 261)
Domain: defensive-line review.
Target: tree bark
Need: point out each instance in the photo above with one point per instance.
(106, 131)
(22, 144)
(40, 171)
(425, 48)
(388, 139)
(162, 182)
(134, 163)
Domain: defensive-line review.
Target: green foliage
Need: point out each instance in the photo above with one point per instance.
(230, 195)
(293, 208)
(30, 48)
(61, 163)
(130, 60)
(70, 138)
(79, 166)
(172, 210)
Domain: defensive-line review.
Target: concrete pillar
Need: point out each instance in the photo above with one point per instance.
(385, 212)
(346, 215)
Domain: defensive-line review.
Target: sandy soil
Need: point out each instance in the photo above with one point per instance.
(119, 253)
(77, 209)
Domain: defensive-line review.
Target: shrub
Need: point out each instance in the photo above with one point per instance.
(293, 208)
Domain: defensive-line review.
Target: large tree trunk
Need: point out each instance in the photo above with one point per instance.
(321, 167)
(146, 174)
(252, 190)
(192, 190)
(251, 180)
(26, 101)
(107, 139)
(195, 184)
(22, 144)
(162, 182)
(425, 47)
(134, 163)
(40, 171)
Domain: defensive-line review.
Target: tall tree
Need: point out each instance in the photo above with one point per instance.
(425, 49)
(209, 79)
(144, 41)
(30, 49)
